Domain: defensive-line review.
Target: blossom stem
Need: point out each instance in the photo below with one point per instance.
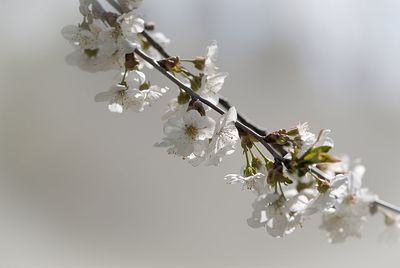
(252, 155)
(247, 158)
(124, 77)
(261, 153)
(280, 188)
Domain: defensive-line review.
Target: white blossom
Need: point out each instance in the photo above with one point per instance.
(131, 78)
(211, 59)
(187, 135)
(121, 98)
(255, 183)
(223, 142)
(128, 95)
(175, 109)
(280, 216)
(350, 212)
(325, 200)
(341, 223)
(131, 25)
(153, 94)
(92, 52)
(80, 37)
(213, 84)
(340, 167)
(115, 45)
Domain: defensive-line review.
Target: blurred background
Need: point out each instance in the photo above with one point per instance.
(81, 187)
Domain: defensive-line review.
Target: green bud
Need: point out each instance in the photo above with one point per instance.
(199, 63)
(145, 86)
(278, 137)
(171, 64)
(293, 132)
(195, 82)
(183, 98)
(249, 171)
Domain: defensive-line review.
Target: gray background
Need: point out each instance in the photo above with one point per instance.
(81, 187)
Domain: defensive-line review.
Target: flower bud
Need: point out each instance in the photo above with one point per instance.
(249, 171)
(198, 106)
(144, 86)
(195, 82)
(171, 64)
(131, 62)
(149, 26)
(200, 63)
(278, 137)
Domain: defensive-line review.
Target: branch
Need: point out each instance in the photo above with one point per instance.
(242, 123)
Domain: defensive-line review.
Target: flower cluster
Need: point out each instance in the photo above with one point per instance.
(288, 193)
(107, 41)
(300, 180)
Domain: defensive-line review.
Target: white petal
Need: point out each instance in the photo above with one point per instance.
(70, 32)
(115, 108)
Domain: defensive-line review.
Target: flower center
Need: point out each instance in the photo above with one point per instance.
(351, 199)
(191, 131)
(91, 52)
